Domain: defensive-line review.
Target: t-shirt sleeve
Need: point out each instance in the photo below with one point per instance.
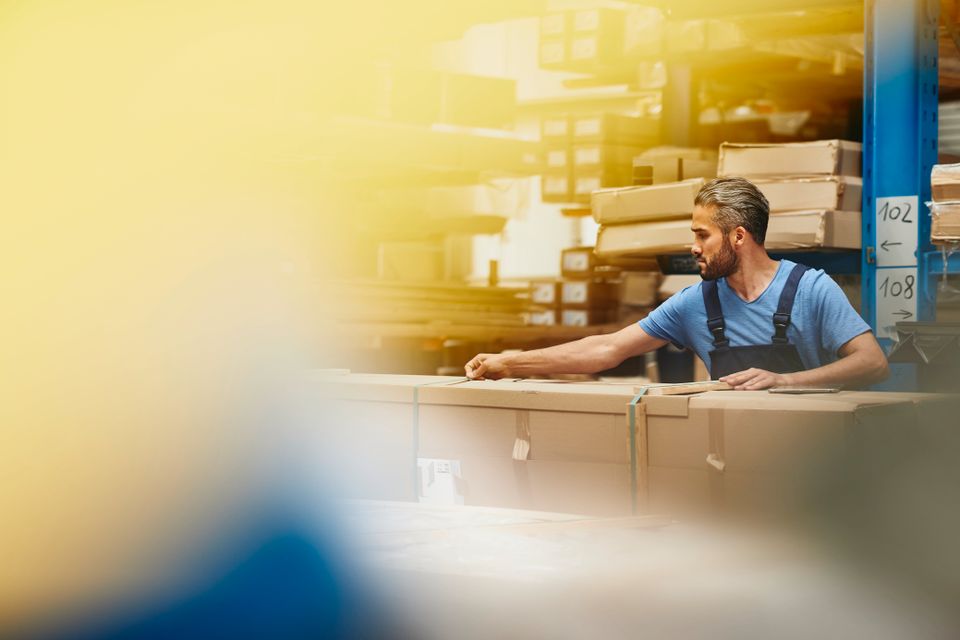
(666, 321)
(839, 322)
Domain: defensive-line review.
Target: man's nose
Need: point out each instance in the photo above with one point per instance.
(696, 250)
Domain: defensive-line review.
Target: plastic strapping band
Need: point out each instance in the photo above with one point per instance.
(634, 463)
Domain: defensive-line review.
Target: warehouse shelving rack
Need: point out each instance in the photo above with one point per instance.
(898, 265)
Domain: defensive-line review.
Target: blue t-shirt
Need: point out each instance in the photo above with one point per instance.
(822, 320)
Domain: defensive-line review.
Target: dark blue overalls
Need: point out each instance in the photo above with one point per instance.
(779, 356)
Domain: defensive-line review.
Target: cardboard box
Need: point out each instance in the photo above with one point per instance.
(557, 158)
(786, 231)
(544, 446)
(545, 292)
(635, 204)
(585, 182)
(577, 262)
(612, 128)
(364, 433)
(606, 157)
(555, 129)
(543, 317)
(588, 293)
(416, 95)
(840, 193)
(499, 196)
(675, 164)
(556, 187)
(757, 451)
(945, 223)
(793, 159)
(579, 317)
(945, 182)
(639, 288)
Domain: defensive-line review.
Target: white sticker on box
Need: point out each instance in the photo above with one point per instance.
(440, 481)
(574, 292)
(587, 155)
(557, 158)
(896, 298)
(576, 261)
(574, 318)
(587, 127)
(897, 231)
(544, 293)
(556, 128)
(551, 52)
(552, 25)
(587, 20)
(555, 185)
(583, 48)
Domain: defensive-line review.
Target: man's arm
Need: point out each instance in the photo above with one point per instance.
(862, 362)
(587, 355)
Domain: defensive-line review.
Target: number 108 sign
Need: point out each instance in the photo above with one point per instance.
(896, 299)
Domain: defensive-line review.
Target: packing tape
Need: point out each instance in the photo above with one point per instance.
(521, 446)
(716, 458)
(634, 458)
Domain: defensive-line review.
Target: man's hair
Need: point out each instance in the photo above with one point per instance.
(739, 204)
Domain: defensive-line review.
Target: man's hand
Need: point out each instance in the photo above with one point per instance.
(487, 365)
(754, 379)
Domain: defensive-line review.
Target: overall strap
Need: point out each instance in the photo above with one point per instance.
(711, 300)
(781, 319)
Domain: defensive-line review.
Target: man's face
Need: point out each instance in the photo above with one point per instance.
(712, 248)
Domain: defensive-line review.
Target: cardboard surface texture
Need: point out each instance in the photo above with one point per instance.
(945, 222)
(756, 450)
(635, 204)
(791, 230)
(793, 159)
(839, 193)
(945, 182)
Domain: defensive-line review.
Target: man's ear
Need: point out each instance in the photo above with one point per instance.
(739, 236)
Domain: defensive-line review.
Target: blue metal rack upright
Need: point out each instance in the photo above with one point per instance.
(899, 150)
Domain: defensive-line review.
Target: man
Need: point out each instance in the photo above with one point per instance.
(755, 322)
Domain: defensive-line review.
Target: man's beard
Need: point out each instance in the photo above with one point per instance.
(725, 263)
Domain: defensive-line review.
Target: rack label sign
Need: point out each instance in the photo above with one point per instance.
(896, 299)
(896, 221)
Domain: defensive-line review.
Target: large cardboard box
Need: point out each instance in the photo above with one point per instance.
(606, 157)
(945, 223)
(611, 128)
(543, 446)
(791, 230)
(639, 288)
(636, 204)
(675, 164)
(840, 193)
(793, 159)
(365, 437)
(945, 182)
(761, 452)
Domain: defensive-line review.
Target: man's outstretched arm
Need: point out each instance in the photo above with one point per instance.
(587, 355)
(862, 362)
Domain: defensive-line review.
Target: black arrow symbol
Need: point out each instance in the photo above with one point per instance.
(886, 243)
(903, 314)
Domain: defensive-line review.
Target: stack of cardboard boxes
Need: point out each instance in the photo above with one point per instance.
(584, 40)
(591, 293)
(601, 448)
(945, 208)
(583, 153)
(814, 190)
